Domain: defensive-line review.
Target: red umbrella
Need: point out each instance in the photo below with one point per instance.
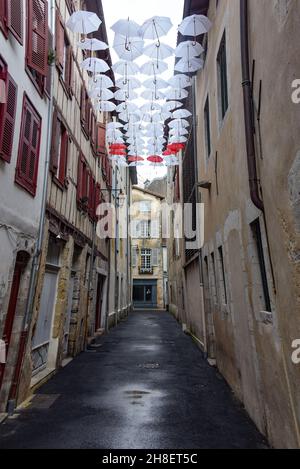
(134, 159)
(176, 147)
(167, 153)
(117, 152)
(155, 159)
(117, 147)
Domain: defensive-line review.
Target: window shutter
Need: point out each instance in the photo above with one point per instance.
(59, 41)
(9, 116)
(15, 18)
(97, 197)
(69, 70)
(3, 16)
(63, 157)
(101, 144)
(79, 178)
(49, 68)
(91, 195)
(37, 54)
(134, 257)
(55, 142)
(83, 104)
(155, 257)
(155, 231)
(29, 147)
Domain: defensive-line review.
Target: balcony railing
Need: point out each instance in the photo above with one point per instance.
(146, 270)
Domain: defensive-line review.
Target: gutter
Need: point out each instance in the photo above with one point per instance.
(248, 108)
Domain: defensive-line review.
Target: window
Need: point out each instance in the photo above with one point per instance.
(145, 206)
(207, 128)
(83, 183)
(59, 150)
(144, 229)
(29, 148)
(37, 42)
(11, 18)
(259, 251)
(85, 111)
(3, 16)
(146, 259)
(64, 55)
(222, 78)
(223, 290)
(155, 257)
(8, 105)
(134, 256)
(213, 281)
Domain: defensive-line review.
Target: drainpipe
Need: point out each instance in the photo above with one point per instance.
(248, 107)
(38, 248)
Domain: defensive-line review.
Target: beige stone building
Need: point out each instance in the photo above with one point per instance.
(147, 250)
(239, 294)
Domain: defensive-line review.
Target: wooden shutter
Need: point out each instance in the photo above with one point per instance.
(63, 155)
(8, 120)
(37, 50)
(92, 195)
(59, 41)
(101, 144)
(15, 18)
(49, 67)
(155, 257)
(29, 148)
(79, 178)
(134, 257)
(83, 104)
(3, 15)
(55, 142)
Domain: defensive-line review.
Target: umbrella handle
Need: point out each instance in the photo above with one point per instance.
(195, 35)
(157, 35)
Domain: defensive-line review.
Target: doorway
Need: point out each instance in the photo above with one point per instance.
(99, 302)
(145, 293)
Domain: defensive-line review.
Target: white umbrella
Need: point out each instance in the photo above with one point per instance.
(115, 140)
(171, 161)
(158, 84)
(127, 117)
(176, 139)
(94, 65)
(105, 106)
(152, 95)
(154, 68)
(156, 27)
(128, 48)
(124, 95)
(122, 163)
(158, 52)
(156, 165)
(157, 117)
(178, 123)
(114, 125)
(177, 94)
(179, 132)
(127, 28)
(102, 81)
(132, 83)
(181, 114)
(126, 68)
(194, 25)
(92, 45)
(127, 107)
(171, 105)
(150, 107)
(83, 22)
(180, 81)
(189, 66)
(113, 133)
(188, 49)
(136, 163)
(102, 94)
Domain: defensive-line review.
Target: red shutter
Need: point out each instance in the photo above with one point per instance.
(37, 49)
(79, 178)
(3, 17)
(8, 121)
(83, 105)
(54, 142)
(101, 144)
(29, 148)
(15, 18)
(49, 67)
(69, 74)
(92, 194)
(59, 41)
(63, 156)
(97, 197)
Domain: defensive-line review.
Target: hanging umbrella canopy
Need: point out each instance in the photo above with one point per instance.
(133, 159)
(176, 139)
(83, 22)
(156, 27)
(92, 45)
(131, 84)
(114, 125)
(94, 65)
(128, 48)
(157, 84)
(180, 123)
(129, 117)
(158, 52)
(188, 49)
(124, 95)
(127, 28)
(102, 81)
(155, 159)
(127, 107)
(149, 107)
(171, 105)
(151, 95)
(105, 106)
(156, 165)
(181, 114)
(136, 164)
(171, 161)
(126, 68)
(113, 132)
(189, 66)
(194, 25)
(102, 94)
(157, 117)
(180, 81)
(176, 94)
(179, 132)
(154, 68)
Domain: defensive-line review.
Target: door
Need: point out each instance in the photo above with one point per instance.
(145, 294)
(43, 328)
(68, 315)
(21, 261)
(99, 302)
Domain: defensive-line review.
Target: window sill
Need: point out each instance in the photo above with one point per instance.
(61, 185)
(25, 185)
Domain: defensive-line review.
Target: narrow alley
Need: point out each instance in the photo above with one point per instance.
(146, 386)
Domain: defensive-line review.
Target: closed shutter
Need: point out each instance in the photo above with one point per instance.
(79, 178)
(54, 157)
(97, 198)
(3, 16)
(83, 104)
(59, 41)
(8, 120)
(155, 229)
(155, 257)
(92, 200)
(134, 257)
(49, 67)
(64, 147)
(37, 53)
(101, 144)
(15, 18)
(29, 147)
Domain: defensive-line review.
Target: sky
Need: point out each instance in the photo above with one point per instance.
(139, 11)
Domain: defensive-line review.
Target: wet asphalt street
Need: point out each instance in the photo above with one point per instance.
(148, 386)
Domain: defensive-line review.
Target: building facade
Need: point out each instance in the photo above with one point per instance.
(239, 294)
(147, 250)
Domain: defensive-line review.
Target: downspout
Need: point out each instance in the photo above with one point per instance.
(248, 108)
(38, 249)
